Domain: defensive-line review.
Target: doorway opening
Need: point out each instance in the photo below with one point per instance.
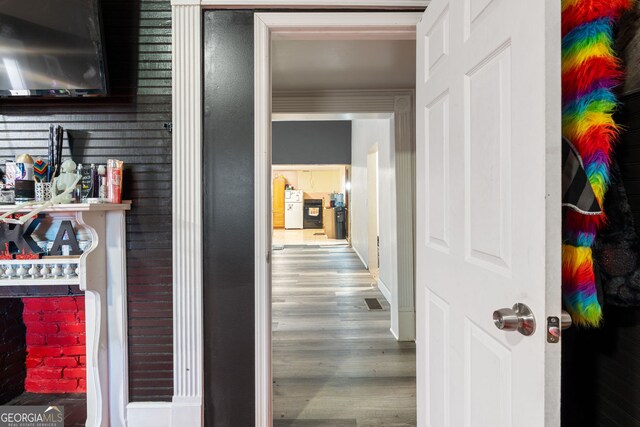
(337, 355)
(309, 203)
(334, 358)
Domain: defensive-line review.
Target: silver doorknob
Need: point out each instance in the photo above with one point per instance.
(565, 320)
(518, 318)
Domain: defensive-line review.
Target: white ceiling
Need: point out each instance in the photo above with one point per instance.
(343, 64)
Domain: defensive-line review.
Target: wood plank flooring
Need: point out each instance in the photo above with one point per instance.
(335, 363)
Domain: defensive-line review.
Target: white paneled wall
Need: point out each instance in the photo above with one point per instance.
(365, 134)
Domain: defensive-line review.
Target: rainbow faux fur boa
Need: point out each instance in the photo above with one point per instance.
(590, 71)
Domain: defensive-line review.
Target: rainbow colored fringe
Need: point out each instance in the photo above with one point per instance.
(590, 71)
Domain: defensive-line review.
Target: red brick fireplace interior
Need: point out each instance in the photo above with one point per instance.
(42, 353)
(55, 338)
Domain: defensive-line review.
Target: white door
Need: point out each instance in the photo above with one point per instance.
(488, 211)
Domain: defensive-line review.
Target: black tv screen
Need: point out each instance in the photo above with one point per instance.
(51, 47)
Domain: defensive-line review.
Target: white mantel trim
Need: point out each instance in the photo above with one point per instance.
(117, 324)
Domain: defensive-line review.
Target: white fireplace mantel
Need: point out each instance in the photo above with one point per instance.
(102, 276)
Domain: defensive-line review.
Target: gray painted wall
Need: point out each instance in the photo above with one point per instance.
(314, 142)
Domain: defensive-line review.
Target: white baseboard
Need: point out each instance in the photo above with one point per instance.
(179, 413)
(186, 412)
(360, 256)
(406, 326)
(394, 333)
(385, 291)
(149, 414)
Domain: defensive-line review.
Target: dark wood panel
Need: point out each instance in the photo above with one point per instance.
(228, 219)
(127, 125)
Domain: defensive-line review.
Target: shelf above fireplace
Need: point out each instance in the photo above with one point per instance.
(76, 207)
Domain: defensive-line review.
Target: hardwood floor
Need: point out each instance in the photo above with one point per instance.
(335, 363)
(304, 237)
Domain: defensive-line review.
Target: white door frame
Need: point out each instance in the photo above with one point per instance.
(307, 26)
(186, 407)
(399, 106)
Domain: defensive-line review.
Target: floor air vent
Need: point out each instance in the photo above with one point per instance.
(373, 304)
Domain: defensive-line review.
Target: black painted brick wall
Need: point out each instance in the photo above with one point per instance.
(13, 349)
(127, 125)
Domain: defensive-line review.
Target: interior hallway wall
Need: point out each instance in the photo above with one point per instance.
(372, 206)
(365, 134)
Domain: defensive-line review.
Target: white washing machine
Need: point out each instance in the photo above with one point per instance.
(293, 209)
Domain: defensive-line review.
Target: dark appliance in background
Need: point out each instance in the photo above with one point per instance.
(341, 223)
(51, 48)
(312, 213)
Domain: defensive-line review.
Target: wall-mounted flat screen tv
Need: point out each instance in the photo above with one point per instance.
(51, 48)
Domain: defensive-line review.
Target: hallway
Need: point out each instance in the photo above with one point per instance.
(335, 363)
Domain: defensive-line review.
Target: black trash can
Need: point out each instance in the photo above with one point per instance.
(341, 223)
